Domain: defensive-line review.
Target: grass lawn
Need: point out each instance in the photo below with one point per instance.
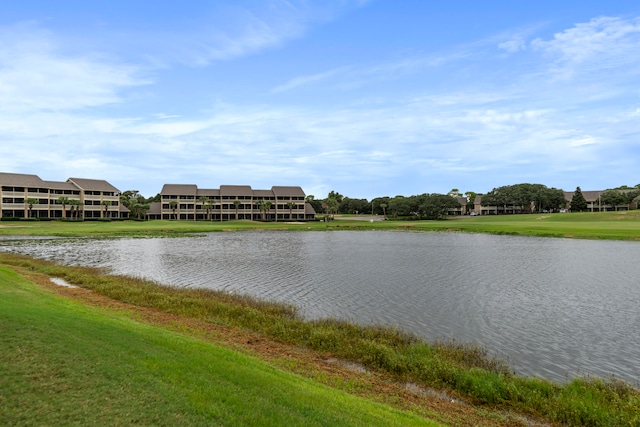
(64, 363)
(623, 225)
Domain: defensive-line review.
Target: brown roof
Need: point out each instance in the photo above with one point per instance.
(57, 185)
(288, 191)
(208, 192)
(262, 193)
(589, 196)
(155, 208)
(236, 190)
(179, 189)
(93, 184)
(308, 209)
(20, 180)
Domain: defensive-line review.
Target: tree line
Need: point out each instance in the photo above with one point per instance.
(530, 198)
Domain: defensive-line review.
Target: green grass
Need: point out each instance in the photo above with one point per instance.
(466, 371)
(62, 363)
(606, 225)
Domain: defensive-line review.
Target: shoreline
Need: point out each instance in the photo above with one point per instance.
(463, 372)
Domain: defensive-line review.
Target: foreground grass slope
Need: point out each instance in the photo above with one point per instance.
(62, 363)
(588, 225)
(464, 372)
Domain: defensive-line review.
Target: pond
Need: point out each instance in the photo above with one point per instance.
(554, 308)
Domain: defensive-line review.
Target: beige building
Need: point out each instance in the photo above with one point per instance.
(231, 202)
(28, 196)
(593, 199)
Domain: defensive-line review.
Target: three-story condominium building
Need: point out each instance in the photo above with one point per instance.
(28, 196)
(233, 202)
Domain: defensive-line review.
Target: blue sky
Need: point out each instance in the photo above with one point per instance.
(367, 98)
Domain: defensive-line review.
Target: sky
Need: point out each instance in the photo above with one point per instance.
(368, 98)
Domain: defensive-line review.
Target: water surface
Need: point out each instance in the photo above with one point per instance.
(554, 308)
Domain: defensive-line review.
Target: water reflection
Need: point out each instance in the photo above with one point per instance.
(553, 307)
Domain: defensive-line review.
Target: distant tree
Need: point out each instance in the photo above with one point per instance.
(64, 201)
(471, 197)
(208, 205)
(353, 206)
(376, 203)
(578, 202)
(400, 206)
(267, 208)
(332, 205)
(383, 206)
(142, 210)
(528, 197)
(75, 208)
(290, 205)
(335, 195)
(454, 193)
(316, 204)
(173, 205)
(613, 198)
(436, 206)
(106, 204)
(30, 202)
(236, 203)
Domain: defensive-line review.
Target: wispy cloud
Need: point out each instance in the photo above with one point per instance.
(35, 75)
(602, 43)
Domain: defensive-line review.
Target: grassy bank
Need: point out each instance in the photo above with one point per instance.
(606, 225)
(465, 372)
(63, 363)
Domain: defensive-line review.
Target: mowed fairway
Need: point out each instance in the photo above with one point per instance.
(63, 363)
(623, 225)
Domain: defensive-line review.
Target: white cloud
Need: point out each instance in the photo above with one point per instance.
(604, 42)
(514, 45)
(36, 75)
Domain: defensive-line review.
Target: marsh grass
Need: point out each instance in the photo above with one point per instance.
(66, 363)
(466, 370)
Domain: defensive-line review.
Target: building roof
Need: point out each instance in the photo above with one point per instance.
(589, 196)
(179, 189)
(93, 184)
(155, 208)
(236, 190)
(287, 191)
(308, 209)
(262, 193)
(20, 180)
(208, 192)
(57, 185)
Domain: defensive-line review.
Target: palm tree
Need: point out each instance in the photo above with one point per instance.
(261, 205)
(209, 206)
(75, 207)
(64, 201)
(204, 200)
(290, 205)
(173, 205)
(267, 207)
(236, 203)
(384, 209)
(30, 202)
(106, 204)
(142, 209)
